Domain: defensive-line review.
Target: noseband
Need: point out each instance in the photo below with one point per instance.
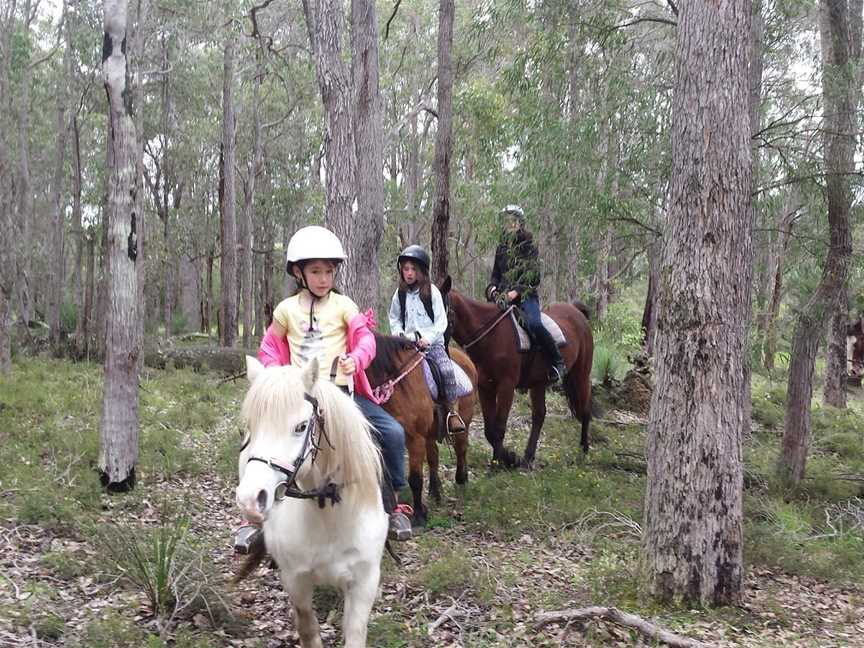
(311, 444)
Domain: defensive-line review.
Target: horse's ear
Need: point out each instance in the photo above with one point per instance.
(446, 285)
(253, 368)
(310, 374)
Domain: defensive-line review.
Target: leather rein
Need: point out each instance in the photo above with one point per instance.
(486, 330)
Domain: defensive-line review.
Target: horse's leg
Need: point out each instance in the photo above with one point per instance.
(359, 597)
(416, 453)
(300, 591)
(432, 460)
(538, 415)
(504, 401)
(488, 404)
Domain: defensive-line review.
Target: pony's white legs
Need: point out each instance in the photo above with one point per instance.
(359, 597)
(300, 590)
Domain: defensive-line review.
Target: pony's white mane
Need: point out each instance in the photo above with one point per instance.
(275, 398)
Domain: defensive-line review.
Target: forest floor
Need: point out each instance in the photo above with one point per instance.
(497, 553)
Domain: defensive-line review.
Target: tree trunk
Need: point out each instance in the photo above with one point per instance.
(58, 229)
(369, 140)
(228, 260)
(849, 87)
(443, 139)
(8, 260)
(839, 94)
(776, 263)
(23, 241)
(324, 20)
(256, 164)
(77, 219)
(693, 505)
(138, 196)
(118, 452)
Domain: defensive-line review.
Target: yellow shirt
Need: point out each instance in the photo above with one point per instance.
(326, 339)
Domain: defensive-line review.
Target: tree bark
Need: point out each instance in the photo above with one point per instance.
(369, 140)
(839, 144)
(324, 21)
(256, 164)
(58, 229)
(8, 260)
(443, 140)
(80, 242)
(834, 390)
(25, 192)
(776, 264)
(228, 260)
(693, 506)
(118, 452)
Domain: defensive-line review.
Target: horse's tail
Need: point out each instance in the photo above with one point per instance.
(256, 555)
(583, 308)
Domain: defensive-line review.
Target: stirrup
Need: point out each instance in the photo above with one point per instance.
(456, 429)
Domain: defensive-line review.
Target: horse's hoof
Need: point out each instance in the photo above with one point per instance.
(462, 478)
(526, 464)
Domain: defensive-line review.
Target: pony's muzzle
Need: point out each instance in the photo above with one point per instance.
(255, 508)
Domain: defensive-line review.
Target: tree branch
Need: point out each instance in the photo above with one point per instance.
(615, 615)
(392, 16)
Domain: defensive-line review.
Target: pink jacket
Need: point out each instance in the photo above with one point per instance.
(274, 350)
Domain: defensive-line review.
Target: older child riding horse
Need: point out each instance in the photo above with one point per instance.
(491, 342)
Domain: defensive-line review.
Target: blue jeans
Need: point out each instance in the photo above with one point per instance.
(531, 310)
(390, 436)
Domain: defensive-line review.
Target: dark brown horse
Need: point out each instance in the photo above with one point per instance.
(411, 404)
(502, 369)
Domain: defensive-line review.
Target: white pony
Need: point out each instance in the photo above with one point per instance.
(310, 473)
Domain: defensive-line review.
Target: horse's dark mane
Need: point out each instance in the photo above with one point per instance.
(387, 361)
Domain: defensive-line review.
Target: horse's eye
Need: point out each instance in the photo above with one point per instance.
(301, 428)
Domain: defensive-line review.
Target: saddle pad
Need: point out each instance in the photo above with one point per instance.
(548, 323)
(462, 379)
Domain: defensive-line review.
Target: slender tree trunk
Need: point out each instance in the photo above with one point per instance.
(443, 140)
(8, 249)
(118, 452)
(228, 260)
(776, 263)
(693, 505)
(256, 164)
(25, 191)
(90, 289)
(58, 229)
(77, 219)
(138, 196)
(839, 143)
(369, 140)
(849, 86)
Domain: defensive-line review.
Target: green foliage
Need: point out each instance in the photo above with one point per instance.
(116, 631)
(179, 323)
(153, 560)
(448, 572)
(68, 317)
(607, 365)
(169, 568)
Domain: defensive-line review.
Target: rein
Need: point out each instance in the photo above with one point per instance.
(384, 391)
(488, 329)
(311, 445)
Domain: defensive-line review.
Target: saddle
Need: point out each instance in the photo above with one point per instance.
(433, 380)
(524, 341)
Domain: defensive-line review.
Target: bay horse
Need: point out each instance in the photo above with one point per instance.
(310, 474)
(411, 404)
(491, 342)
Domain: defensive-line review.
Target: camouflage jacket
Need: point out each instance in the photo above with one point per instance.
(517, 265)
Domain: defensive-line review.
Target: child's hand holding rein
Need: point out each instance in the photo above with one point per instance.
(347, 365)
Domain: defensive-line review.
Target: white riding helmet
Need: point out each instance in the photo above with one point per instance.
(314, 242)
(514, 211)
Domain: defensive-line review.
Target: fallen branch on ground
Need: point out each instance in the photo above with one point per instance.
(615, 615)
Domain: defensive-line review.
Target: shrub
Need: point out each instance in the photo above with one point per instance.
(164, 565)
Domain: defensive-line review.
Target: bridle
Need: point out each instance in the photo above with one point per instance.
(314, 431)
